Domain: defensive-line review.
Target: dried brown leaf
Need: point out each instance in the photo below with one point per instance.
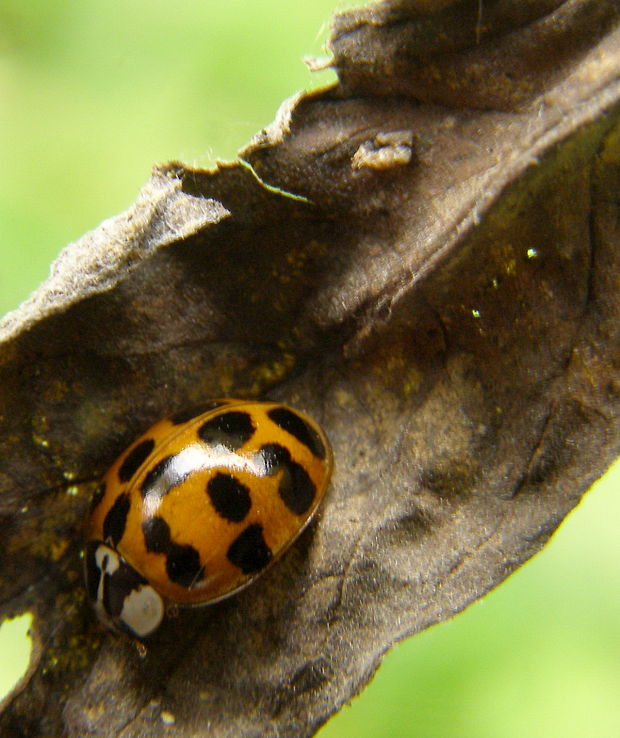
(442, 294)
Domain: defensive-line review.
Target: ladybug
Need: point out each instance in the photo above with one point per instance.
(199, 506)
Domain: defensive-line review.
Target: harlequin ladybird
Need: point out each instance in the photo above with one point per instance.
(199, 506)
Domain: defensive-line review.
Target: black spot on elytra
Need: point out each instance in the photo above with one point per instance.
(249, 551)
(135, 458)
(182, 562)
(295, 487)
(162, 478)
(98, 495)
(297, 427)
(229, 429)
(183, 565)
(231, 499)
(193, 412)
(156, 535)
(116, 519)
(273, 456)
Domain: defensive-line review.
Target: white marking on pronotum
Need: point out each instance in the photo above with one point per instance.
(143, 610)
(108, 562)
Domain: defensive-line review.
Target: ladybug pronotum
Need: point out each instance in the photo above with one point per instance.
(199, 506)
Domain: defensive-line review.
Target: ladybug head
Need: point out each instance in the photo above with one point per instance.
(122, 598)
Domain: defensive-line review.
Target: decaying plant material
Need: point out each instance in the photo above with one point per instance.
(441, 294)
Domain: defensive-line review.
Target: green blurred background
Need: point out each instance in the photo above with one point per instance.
(92, 94)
